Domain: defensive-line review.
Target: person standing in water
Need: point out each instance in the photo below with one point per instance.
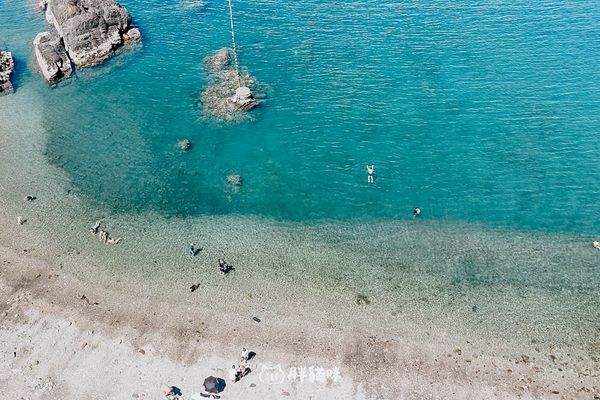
(370, 173)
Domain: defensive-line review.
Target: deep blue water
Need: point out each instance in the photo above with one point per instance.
(481, 111)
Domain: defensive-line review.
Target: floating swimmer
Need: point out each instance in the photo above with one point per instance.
(370, 173)
(113, 241)
(224, 267)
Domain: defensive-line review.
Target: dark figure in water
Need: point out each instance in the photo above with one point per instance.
(224, 267)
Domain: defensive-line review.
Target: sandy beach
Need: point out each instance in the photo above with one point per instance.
(63, 337)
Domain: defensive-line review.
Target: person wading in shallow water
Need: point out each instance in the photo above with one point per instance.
(224, 268)
(370, 173)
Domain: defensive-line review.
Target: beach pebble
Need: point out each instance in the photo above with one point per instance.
(256, 319)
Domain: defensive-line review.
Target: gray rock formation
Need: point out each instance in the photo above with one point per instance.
(89, 30)
(7, 66)
(51, 56)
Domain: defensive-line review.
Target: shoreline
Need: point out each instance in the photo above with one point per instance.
(45, 319)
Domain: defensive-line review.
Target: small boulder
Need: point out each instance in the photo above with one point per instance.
(133, 35)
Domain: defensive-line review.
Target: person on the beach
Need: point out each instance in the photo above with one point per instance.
(596, 244)
(416, 212)
(370, 173)
(94, 229)
(113, 241)
(103, 235)
(192, 249)
(242, 371)
(30, 197)
(233, 374)
(245, 354)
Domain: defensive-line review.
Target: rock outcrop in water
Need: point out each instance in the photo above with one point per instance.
(7, 66)
(51, 56)
(218, 100)
(87, 31)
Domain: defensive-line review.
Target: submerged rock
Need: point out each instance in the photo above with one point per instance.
(7, 65)
(218, 61)
(52, 57)
(184, 144)
(90, 31)
(234, 180)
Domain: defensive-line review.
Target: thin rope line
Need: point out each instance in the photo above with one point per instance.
(235, 57)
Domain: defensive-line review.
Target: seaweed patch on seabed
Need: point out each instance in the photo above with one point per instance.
(217, 99)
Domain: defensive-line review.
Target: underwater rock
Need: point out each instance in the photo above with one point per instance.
(184, 144)
(234, 180)
(51, 56)
(7, 65)
(192, 4)
(218, 61)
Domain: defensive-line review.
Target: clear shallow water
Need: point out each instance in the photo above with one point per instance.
(474, 111)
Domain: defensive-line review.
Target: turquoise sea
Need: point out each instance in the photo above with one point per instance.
(472, 110)
(484, 114)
